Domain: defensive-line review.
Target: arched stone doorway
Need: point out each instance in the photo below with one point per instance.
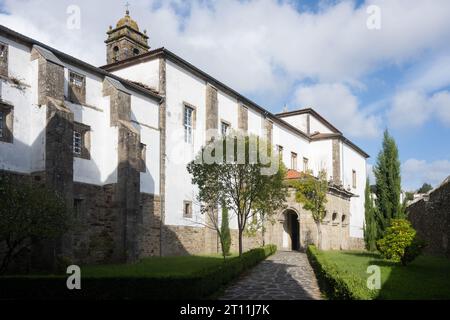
(291, 228)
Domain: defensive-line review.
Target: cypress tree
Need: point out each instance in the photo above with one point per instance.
(225, 232)
(370, 226)
(388, 184)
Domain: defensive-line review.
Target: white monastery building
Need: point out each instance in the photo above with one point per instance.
(115, 142)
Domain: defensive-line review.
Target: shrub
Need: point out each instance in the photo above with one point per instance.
(400, 242)
(200, 285)
(335, 283)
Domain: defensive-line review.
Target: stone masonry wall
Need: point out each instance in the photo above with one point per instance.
(431, 218)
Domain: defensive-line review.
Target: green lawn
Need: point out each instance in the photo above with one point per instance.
(425, 278)
(158, 267)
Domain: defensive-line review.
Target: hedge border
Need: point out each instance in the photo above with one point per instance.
(197, 286)
(335, 283)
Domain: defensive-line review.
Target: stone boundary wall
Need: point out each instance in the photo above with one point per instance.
(430, 216)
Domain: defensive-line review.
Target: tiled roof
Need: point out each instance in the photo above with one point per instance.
(294, 174)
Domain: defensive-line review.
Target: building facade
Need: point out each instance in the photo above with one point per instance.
(115, 141)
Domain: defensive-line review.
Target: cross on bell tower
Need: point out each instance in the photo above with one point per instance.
(125, 40)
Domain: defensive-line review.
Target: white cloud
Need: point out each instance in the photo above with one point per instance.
(416, 172)
(337, 104)
(411, 109)
(441, 105)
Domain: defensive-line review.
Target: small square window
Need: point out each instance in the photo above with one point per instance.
(187, 209)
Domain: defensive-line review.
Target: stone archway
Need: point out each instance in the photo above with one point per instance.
(291, 230)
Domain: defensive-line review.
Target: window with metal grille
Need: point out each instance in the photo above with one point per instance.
(77, 143)
(188, 124)
(76, 79)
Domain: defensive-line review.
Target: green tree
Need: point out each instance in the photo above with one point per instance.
(225, 230)
(28, 214)
(312, 193)
(237, 170)
(425, 188)
(370, 225)
(388, 184)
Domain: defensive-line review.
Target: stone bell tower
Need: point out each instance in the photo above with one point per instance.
(125, 40)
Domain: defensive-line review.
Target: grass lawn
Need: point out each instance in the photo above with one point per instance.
(427, 277)
(158, 267)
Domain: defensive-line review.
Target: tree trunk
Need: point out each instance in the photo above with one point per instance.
(319, 235)
(263, 233)
(240, 242)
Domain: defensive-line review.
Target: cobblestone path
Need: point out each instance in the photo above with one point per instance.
(286, 275)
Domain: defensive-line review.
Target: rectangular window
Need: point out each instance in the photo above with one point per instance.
(354, 178)
(77, 88)
(293, 161)
(305, 165)
(187, 209)
(6, 123)
(188, 124)
(143, 158)
(280, 152)
(3, 59)
(225, 127)
(81, 140)
(77, 143)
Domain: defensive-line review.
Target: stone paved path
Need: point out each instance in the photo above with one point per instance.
(286, 275)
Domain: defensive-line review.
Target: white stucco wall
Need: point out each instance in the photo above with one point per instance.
(352, 160)
(182, 87)
(146, 73)
(26, 153)
(145, 118)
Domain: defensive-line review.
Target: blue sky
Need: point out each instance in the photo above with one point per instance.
(318, 54)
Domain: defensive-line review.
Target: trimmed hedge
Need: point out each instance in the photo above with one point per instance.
(337, 284)
(196, 286)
